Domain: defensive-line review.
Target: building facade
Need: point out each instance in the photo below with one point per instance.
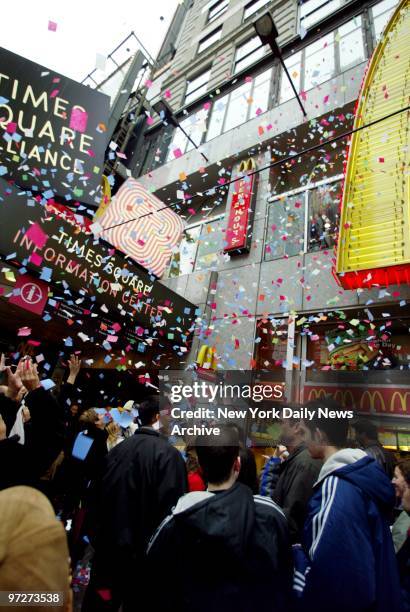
(277, 306)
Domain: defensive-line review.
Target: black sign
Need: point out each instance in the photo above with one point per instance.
(53, 131)
(64, 254)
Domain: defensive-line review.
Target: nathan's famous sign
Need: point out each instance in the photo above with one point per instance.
(52, 130)
(45, 241)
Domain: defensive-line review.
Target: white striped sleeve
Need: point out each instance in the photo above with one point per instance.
(319, 522)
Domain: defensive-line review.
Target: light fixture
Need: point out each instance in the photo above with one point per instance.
(265, 27)
(268, 33)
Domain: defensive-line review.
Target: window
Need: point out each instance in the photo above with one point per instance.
(285, 227)
(217, 118)
(323, 59)
(195, 126)
(319, 61)
(323, 216)
(293, 64)
(209, 40)
(351, 44)
(305, 221)
(252, 7)
(210, 244)
(313, 11)
(183, 261)
(248, 53)
(197, 86)
(218, 9)
(237, 109)
(243, 103)
(381, 14)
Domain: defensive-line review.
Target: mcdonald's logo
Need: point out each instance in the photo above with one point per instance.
(247, 165)
(402, 401)
(372, 400)
(345, 398)
(316, 394)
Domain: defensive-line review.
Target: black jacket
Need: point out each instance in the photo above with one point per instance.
(383, 457)
(297, 475)
(227, 551)
(143, 479)
(44, 434)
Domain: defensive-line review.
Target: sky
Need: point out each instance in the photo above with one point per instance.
(84, 28)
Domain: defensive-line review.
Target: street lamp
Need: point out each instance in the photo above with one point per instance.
(166, 114)
(268, 33)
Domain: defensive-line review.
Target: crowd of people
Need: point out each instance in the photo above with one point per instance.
(325, 526)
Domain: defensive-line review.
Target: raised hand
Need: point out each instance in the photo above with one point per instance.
(29, 375)
(14, 383)
(74, 363)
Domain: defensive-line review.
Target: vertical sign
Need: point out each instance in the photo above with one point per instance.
(238, 231)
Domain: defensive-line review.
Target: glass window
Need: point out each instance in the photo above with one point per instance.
(351, 44)
(218, 9)
(183, 260)
(313, 11)
(323, 226)
(293, 64)
(381, 14)
(285, 235)
(260, 93)
(210, 244)
(252, 7)
(209, 40)
(319, 61)
(238, 107)
(197, 86)
(248, 53)
(195, 126)
(217, 118)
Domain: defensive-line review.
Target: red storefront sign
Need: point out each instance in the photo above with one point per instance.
(32, 296)
(237, 234)
(377, 399)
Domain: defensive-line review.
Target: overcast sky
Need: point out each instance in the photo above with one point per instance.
(84, 28)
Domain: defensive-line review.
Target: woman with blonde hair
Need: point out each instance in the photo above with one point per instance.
(33, 548)
(114, 435)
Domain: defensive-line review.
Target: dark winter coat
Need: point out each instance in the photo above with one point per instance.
(297, 475)
(143, 479)
(227, 551)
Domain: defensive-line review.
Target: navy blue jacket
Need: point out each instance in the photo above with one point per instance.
(348, 561)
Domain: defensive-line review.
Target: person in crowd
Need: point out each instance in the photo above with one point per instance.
(33, 548)
(367, 437)
(401, 525)
(83, 466)
(248, 474)
(114, 435)
(270, 472)
(70, 394)
(224, 549)
(144, 477)
(347, 561)
(32, 419)
(195, 476)
(297, 475)
(403, 552)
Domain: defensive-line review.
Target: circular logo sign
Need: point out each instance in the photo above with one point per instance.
(31, 293)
